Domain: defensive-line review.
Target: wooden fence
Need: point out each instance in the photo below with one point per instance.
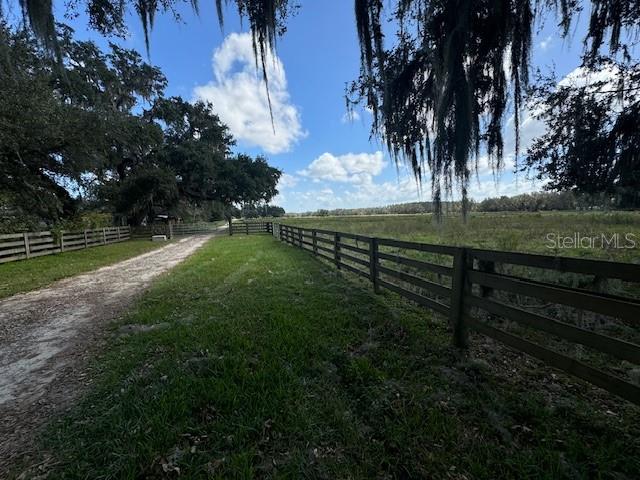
(199, 228)
(250, 227)
(20, 246)
(177, 229)
(493, 293)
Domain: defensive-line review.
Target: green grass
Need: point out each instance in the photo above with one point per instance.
(273, 365)
(26, 275)
(526, 232)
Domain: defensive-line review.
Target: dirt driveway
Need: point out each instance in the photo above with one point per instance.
(47, 336)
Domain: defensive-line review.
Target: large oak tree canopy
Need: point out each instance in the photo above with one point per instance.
(96, 123)
(439, 89)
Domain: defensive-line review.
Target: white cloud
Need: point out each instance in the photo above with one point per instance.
(351, 167)
(402, 190)
(487, 187)
(545, 44)
(350, 117)
(239, 97)
(285, 184)
(580, 77)
(287, 181)
(367, 194)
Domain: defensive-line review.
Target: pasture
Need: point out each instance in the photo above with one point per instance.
(273, 364)
(522, 232)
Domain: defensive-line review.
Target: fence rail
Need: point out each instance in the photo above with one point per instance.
(21, 246)
(248, 228)
(487, 291)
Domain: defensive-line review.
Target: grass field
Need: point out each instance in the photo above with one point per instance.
(26, 275)
(275, 366)
(526, 232)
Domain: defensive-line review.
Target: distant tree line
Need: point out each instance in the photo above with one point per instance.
(262, 211)
(91, 131)
(526, 202)
(532, 202)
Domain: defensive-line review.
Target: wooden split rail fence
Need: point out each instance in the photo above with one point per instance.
(248, 228)
(20, 246)
(493, 293)
(172, 230)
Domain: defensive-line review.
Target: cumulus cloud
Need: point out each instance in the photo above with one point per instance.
(239, 97)
(287, 181)
(351, 167)
(367, 194)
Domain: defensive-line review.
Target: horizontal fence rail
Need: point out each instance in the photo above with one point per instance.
(21, 246)
(199, 228)
(498, 294)
(247, 228)
(172, 230)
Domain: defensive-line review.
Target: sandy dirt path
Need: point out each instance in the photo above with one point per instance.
(48, 335)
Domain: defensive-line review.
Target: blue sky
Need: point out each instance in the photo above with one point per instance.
(329, 160)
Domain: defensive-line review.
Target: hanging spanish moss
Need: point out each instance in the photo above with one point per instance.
(39, 14)
(267, 20)
(439, 91)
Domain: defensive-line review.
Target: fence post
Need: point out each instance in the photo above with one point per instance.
(170, 230)
(315, 242)
(459, 288)
(336, 251)
(280, 228)
(86, 241)
(118, 230)
(373, 263)
(27, 250)
(62, 241)
(104, 236)
(300, 237)
(246, 225)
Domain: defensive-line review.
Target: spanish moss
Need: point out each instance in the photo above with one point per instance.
(439, 91)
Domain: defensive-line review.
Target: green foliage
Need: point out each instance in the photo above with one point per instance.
(45, 112)
(147, 193)
(592, 141)
(251, 210)
(86, 221)
(531, 202)
(38, 133)
(135, 164)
